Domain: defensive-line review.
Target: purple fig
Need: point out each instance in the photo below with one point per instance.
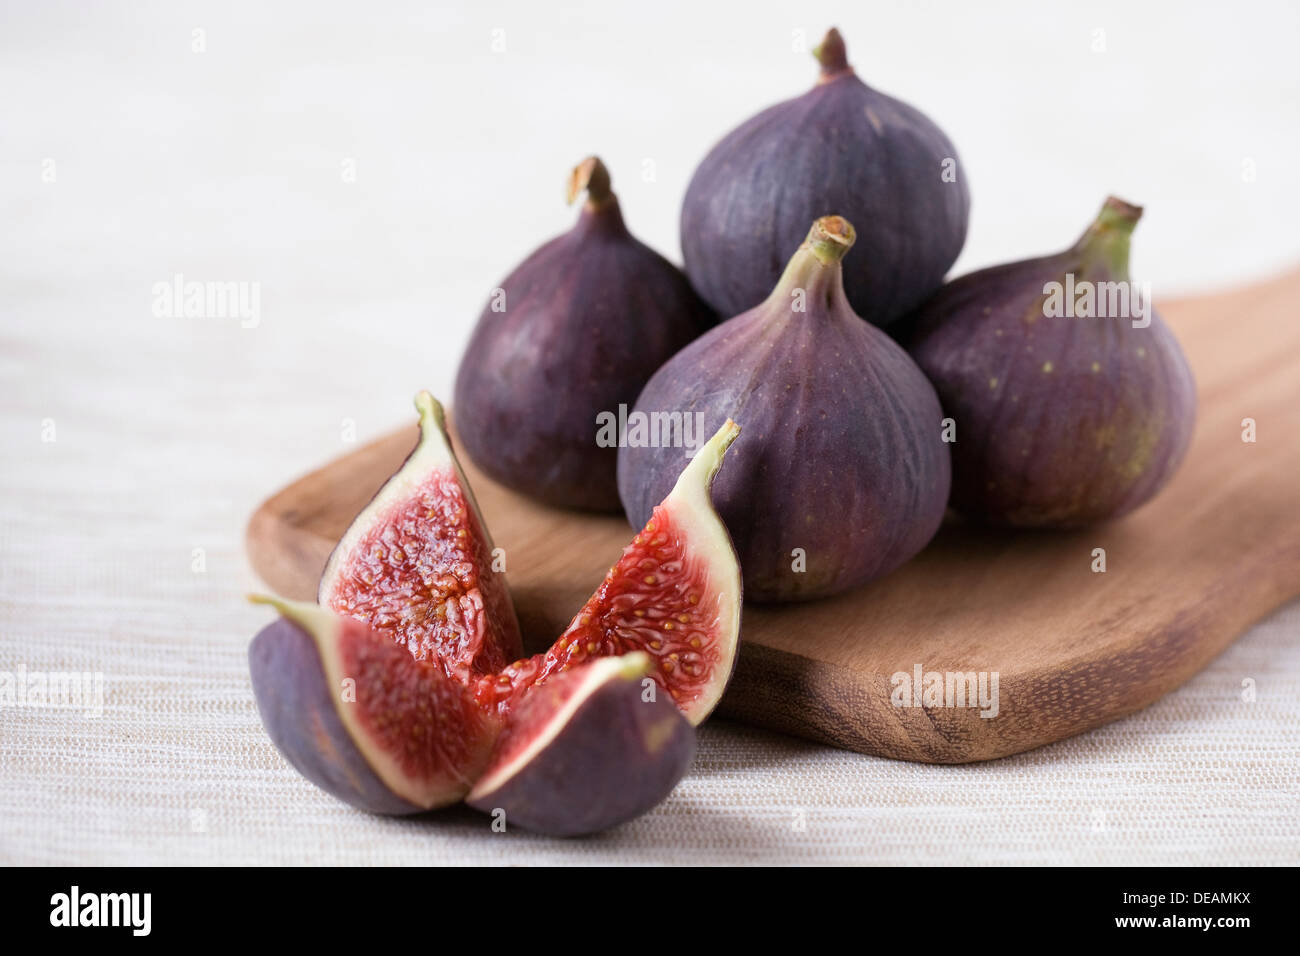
(573, 333)
(1071, 399)
(841, 148)
(841, 473)
(361, 718)
(589, 749)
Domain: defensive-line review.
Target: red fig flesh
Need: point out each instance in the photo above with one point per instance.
(356, 715)
(841, 474)
(587, 750)
(675, 594)
(1065, 414)
(572, 334)
(417, 564)
(842, 148)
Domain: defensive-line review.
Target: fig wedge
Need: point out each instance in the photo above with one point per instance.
(361, 719)
(675, 594)
(417, 563)
(586, 751)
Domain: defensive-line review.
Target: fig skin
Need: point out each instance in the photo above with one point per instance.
(841, 148)
(297, 708)
(841, 453)
(1061, 422)
(588, 319)
(612, 757)
(302, 710)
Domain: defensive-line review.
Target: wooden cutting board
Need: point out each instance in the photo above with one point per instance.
(1072, 648)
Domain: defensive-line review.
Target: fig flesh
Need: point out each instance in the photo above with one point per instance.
(416, 564)
(675, 594)
(1066, 414)
(572, 334)
(841, 148)
(841, 474)
(587, 750)
(363, 720)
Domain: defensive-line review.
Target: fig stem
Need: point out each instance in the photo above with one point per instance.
(430, 410)
(1107, 240)
(633, 664)
(590, 176)
(311, 617)
(815, 265)
(830, 238)
(699, 473)
(832, 54)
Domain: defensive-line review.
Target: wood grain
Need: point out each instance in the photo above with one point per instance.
(1074, 649)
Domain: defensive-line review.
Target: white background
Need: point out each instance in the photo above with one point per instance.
(227, 165)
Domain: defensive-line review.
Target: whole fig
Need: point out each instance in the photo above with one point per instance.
(840, 474)
(573, 333)
(840, 148)
(1071, 399)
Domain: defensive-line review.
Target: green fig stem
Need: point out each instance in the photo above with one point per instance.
(706, 462)
(590, 176)
(815, 266)
(431, 411)
(310, 616)
(633, 665)
(1106, 242)
(830, 238)
(832, 55)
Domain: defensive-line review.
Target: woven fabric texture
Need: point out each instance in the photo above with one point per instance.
(130, 466)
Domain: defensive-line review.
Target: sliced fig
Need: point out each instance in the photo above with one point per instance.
(675, 594)
(362, 719)
(842, 474)
(844, 148)
(586, 751)
(416, 564)
(1064, 416)
(570, 336)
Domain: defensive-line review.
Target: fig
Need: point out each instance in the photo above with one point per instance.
(675, 594)
(841, 148)
(1071, 398)
(392, 705)
(410, 567)
(363, 720)
(586, 751)
(841, 474)
(570, 335)
(417, 564)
